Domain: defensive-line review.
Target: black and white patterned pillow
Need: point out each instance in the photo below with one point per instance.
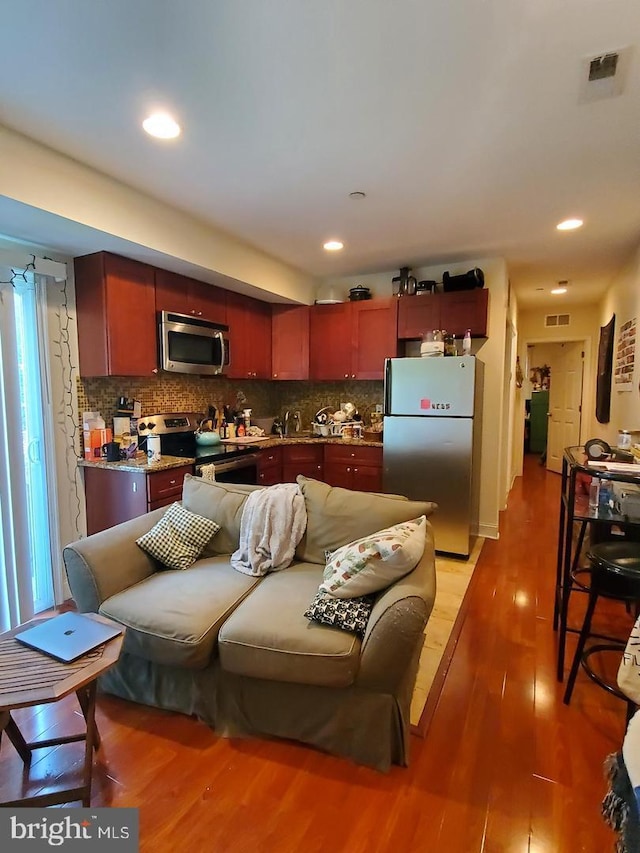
(348, 614)
(178, 538)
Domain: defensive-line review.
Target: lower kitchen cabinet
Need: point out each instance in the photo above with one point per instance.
(114, 495)
(353, 467)
(305, 459)
(270, 466)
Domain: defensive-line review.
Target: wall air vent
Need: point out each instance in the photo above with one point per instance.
(603, 66)
(604, 75)
(551, 320)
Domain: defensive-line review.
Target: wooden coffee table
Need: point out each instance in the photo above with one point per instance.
(29, 677)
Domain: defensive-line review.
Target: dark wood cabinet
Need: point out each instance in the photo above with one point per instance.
(290, 342)
(455, 312)
(249, 322)
(115, 304)
(305, 459)
(350, 340)
(374, 336)
(270, 466)
(353, 467)
(183, 295)
(113, 495)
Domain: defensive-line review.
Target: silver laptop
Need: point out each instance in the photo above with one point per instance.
(68, 636)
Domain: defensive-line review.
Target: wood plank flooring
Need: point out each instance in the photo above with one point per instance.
(504, 765)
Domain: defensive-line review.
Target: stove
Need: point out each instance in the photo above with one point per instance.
(177, 438)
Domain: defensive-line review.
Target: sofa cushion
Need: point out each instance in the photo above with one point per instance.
(178, 538)
(376, 561)
(173, 617)
(338, 516)
(268, 637)
(348, 614)
(221, 502)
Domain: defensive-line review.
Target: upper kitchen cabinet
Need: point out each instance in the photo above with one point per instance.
(455, 312)
(350, 340)
(289, 341)
(183, 295)
(115, 303)
(249, 322)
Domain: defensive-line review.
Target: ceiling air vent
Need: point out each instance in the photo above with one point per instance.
(603, 75)
(556, 320)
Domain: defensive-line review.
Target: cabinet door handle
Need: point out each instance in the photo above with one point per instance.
(348, 470)
(172, 482)
(155, 370)
(353, 376)
(275, 375)
(199, 313)
(346, 376)
(355, 470)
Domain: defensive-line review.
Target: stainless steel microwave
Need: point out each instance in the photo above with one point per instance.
(191, 345)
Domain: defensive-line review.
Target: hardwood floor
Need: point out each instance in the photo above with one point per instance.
(504, 765)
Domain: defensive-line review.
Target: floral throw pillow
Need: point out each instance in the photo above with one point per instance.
(178, 538)
(347, 614)
(376, 561)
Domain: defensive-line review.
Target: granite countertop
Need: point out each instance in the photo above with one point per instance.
(167, 462)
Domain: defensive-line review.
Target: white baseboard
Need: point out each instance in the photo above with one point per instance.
(489, 531)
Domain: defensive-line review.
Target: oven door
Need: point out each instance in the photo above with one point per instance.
(242, 470)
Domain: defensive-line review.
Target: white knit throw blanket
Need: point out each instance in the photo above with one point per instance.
(273, 522)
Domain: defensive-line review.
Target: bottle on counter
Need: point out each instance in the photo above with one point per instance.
(466, 343)
(594, 493)
(224, 429)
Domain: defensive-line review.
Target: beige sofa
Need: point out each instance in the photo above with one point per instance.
(238, 652)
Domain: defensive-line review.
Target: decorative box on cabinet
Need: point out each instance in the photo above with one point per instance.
(183, 295)
(353, 467)
(350, 340)
(114, 495)
(290, 341)
(115, 304)
(249, 322)
(455, 312)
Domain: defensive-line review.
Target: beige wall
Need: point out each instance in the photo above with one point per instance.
(39, 177)
(494, 488)
(531, 328)
(623, 300)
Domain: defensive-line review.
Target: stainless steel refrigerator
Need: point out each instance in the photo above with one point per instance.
(431, 443)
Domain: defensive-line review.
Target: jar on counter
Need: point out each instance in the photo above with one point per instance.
(624, 439)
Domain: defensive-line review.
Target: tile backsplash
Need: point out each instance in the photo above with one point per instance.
(194, 394)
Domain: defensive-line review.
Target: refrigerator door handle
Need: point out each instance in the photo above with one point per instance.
(387, 386)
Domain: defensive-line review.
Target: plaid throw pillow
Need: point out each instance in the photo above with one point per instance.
(178, 538)
(348, 614)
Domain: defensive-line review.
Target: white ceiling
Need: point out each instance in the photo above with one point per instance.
(462, 121)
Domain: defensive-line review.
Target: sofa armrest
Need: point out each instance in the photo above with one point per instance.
(396, 625)
(105, 563)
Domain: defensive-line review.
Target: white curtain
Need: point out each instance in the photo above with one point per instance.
(28, 525)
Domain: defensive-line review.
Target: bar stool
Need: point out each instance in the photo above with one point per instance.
(615, 574)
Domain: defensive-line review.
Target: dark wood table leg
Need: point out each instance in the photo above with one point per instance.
(88, 705)
(8, 725)
(83, 700)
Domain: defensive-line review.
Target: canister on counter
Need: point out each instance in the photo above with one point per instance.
(624, 439)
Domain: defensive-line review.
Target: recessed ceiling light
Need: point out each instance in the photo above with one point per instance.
(162, 126)
(558, 291)
(333, 245)
(569, 224)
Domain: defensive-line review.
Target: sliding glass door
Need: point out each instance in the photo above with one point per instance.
(26, 578)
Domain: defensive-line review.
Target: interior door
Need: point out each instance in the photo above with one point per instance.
(565, 398)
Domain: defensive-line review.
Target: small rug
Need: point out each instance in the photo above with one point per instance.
(452, 580)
